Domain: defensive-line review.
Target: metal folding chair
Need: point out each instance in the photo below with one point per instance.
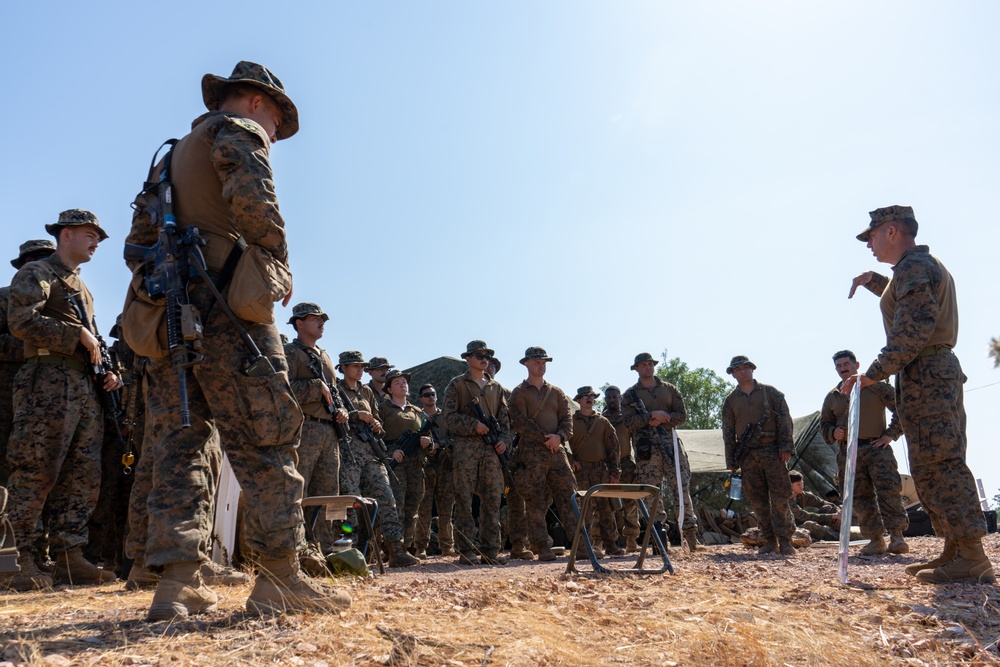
(334, 508)
(636, 492)
(8, 550)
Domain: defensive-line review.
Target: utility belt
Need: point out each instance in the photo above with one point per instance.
(593, 464)
(310, 418)
(52, 359)
(932, 350)
(861, 441)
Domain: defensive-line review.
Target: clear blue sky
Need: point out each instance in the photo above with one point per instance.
(597, 178)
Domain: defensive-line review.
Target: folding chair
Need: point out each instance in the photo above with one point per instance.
(636, 492)
(8, 550)
(333, 508)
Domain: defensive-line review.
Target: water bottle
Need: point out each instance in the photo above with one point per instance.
(736, 487)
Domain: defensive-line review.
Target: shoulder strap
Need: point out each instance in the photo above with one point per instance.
(542, 399)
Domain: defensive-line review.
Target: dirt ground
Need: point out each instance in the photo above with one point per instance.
(725, 606)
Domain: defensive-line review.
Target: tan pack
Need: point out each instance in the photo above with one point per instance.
(144, 322)
(258, 281)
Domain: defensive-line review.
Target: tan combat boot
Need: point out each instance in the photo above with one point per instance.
(181, 592)
(281, 588)
(950, 549)
(30, 578)
(691, 537)
(897, 545)
(521, 552)
(768, 547)
(398, 557)
(970, 564)
(492, 558)
(72, 568)
(785, 547)
(140, 577)
(631, 545)
(544, 553)
(874, 547)
(215, 574)
(614, 550)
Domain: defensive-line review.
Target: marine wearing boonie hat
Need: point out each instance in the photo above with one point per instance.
(393, 374)
(586, 390)
(39, 247)
(738, 361)
(378, 362)
(881, 216)
(350, 357)
(536, 353)
(75, 217)
(476, 346)
(258, 76)
(301, 310)
(643, 357)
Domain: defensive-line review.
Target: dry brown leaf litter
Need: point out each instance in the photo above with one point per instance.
(724, 607)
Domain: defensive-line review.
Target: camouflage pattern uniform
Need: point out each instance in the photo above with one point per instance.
(362, 472)
(55, 444)
(408, 484)
(765, 477)
(11, 356)
(815, 515)
(439, 491)
(318, 451)
(542, 474)
(651, 466)
(594, 447)
(878, 502)
(223, 184)
(475, 466)
(920, 314)
(626, 518)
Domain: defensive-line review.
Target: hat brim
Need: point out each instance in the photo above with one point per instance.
(655, 363)
(211, 84)
(530, 358)
(466, 355)
(596, 396)
(291, 320)
(340, 366)
(865, 235)
(54, 228)
(752, 365)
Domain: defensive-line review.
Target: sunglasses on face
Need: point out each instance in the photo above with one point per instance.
(482, 355)
(428, 394)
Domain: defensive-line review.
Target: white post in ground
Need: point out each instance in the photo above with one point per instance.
(227, 502)
(680, 486)
(853, 423)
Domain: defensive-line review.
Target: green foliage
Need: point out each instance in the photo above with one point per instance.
(703, 390)
(996, 502)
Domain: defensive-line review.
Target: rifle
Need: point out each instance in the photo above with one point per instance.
(746, 437)
(409, 442)
(335, 406)
(367, 435)
(434, 456)
(168, 269)
(110, 400)
(492, 439)
(666, 451)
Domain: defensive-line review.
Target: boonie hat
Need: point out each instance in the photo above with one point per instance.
(496, 362)
(300, 310)
(260, 77)
(643, 356)
(586, 391)
(379, 362)
(30, 248)
(392, 375)
(739, 360)
(536, 353)
(476, 346)
(351, 357)
(75, 217)
(880, 216)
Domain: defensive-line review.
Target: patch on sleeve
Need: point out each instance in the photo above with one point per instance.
(241, 123)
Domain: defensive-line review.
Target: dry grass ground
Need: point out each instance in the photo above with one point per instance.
(724, 607)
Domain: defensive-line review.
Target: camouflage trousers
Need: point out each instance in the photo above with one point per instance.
(258, 423)
(319, 458)
(878, 500)
(660, 472)
(138, 516)
(476, 470)
(627, 518)
(819, 533)
(930, 403)
(408, 489)
(362, 475)
(439, 491)
(765, 480)
(8, 370)
(55, 456)
(545, 475)
(592, 474)
(517, 520)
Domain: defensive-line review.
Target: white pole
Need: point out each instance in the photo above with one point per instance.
(853, 422)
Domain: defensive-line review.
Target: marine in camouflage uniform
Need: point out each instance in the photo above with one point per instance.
(920, 315)
(223, 184)
(627, 517)
(652, 436)
(541, 415)
(398, 417)
(54, 450)
(594, 456)
(820, 518)
(377, 368)
(765, 477)
(517, 523)
(878, 501)
(12, 349)
(475, 466)
(362, 471)
(439, 489)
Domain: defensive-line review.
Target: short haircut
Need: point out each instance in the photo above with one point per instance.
(794, 476)
(844, 353)
(908, 226)
(423, 387)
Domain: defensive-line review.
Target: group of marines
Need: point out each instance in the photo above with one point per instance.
(291, 427)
